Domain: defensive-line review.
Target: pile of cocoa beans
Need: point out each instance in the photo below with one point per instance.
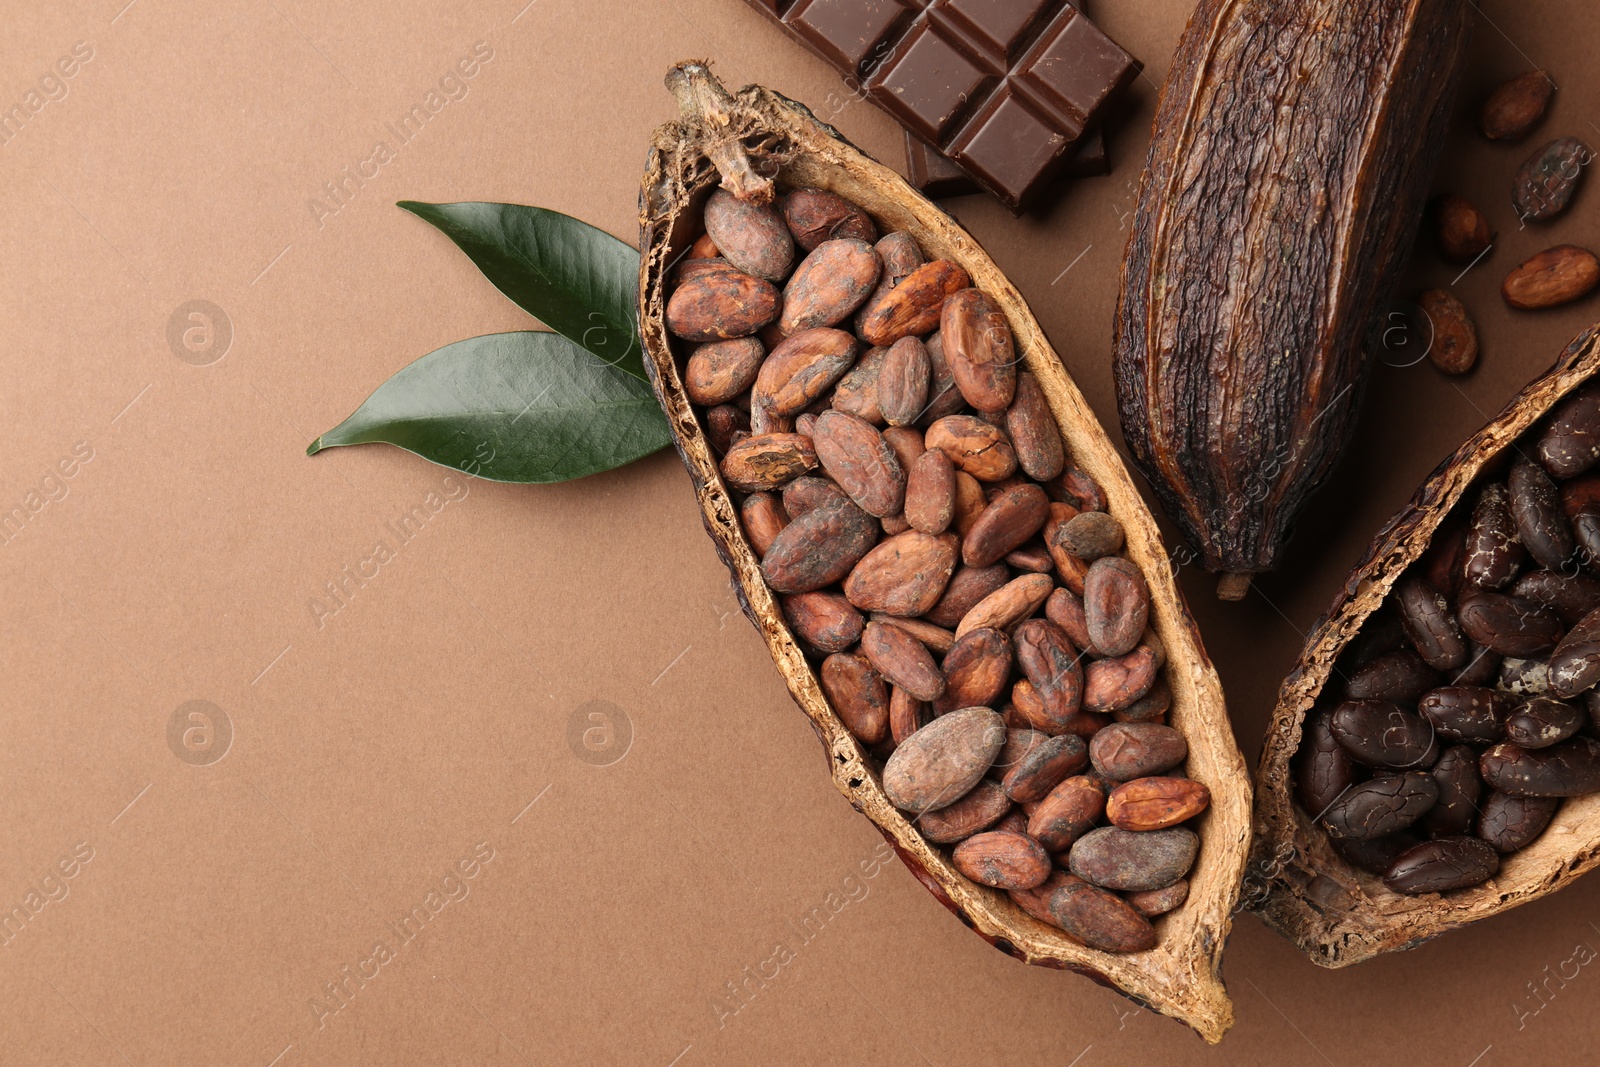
(959, 583)
(1467, 706)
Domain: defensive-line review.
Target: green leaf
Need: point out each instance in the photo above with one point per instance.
(511, 407)
(576, 279)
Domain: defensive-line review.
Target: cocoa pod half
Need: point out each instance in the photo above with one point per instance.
(1175, 966)
(1337, 912)
(1238, 399)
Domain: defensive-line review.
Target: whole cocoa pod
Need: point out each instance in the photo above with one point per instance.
(1238, 397)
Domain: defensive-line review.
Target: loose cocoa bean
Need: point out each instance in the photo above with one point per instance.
(1002, 859)
(1051, 664)
(1067, 812)
(825, 621)
(1555, 276)
(1542, 722)
(984, 806)
(1116, 604)
(905, 575)
(1460, 229)
(976, 670)
(1569, 769)
(1113, 858)
(1077, 488)
(1433, 630)
(859, 695)
(1442, 865)
(1031, 557)
(721, 304)
(975, 446)
(828, 285)
(1511, 823)
(1516, 106)
(1453, 344)
(1010, 520)
(937, 765)
(1380, 734)
(1546, 182)
(768, 461)
(1456, 776)
(1525, 677)
(1482, 666)
(1156, 803)
(943, 396)
(1125, 751)
(913, 306)
(858, 458)
(1381, 806)
(801, 369)
(819, 548)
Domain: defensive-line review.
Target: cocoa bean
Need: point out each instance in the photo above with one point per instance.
(1377, 855)
(1433, 630)
(748, 235)
(930, 501)
(907, 444)
(857, 392)
(1509, 625)
(911, 307)
(825, 621)
(1322, 768)
(724, 425)
(1109, 685)
(1442, 865)
(1051, 664)
(1152, 707)
(1031, 557)
(1575, 663)
(905, 575)
(1154, 902)
(1542, 722)
(1399, 676)
(1465, 713)
(1453, 338)
(907, 715)
(1568, 596)
(828, 285)
(1570, 442)
(970, 502)
(763, 519)
(1099, 919)
(1067, 812)
(1077, 488)
(937, 638)
(1380, 734)
(1011, 603)
(816, 215)
(1456, 776)
(858, 458)
(1516, 106)
(705, 248)
(1546, 182)
(808, 494)
(943, 396)
(979, 810)
(719, 371)
(903, 660)
(975, 446)
(976, 670)
(1116, 604)
(1555, 276)
(1482, 666)
(1569, 769)
(1536, 508)
(768, 461)
(819, 548)
(1460, 229)
(1525, 677)
(903, 382)
(1044, 767)
(1511, 823)
(1033, 431)
(1090, 535)
(1010, 520)
(1125, 751)
(940, 763)
(968, 586)
(721, 304)
(1156, 803)
(1113, 858)
(801, 369)
(1381, 806)
(1002, 859)
(1493, 552)
(978, 345)
(859, 696)
(1065, 609)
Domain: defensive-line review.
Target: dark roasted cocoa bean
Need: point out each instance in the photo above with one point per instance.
(1456, 775)
(1493, 552)
(750, 236)
(1482, 667)
(1380, 634)
(825, 621)
(1536, 508)
(1377, 855)
(1381, 806)
(1570, 595)
(1433, 630)
(1130, 860)
(983, 806)
(1525, 677)
(1399, 677)
(1010, 520)
(1109, 685)
(1542, 722)
(1570, 443)
(1322, 768)
(1033, 431)
(1442, 865)
(1380, 734)
(1545, 183)
(1466, 713)
(976, 670)
(852, 451)
(1586, 532)
(819, 548)
(1044, 767)
(858, 694)
(828, 285)
(1116, 605)
(905, 575)
(801, 369)
(1575, 663)
(1569, 769)
(1067, 812)
(1511, 823)
(1125, 751)
(903, 382)
(940, 763)
(1510, 625)
(903, 660)
(1046, 656)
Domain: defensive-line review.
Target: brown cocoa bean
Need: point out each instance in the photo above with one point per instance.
(1511, 823)
(1011, 603)
(1125, 751)
(705, 248)
(911, 307)
(1114, 858)
(1569, 769)
(978, 345)
(1154, 902)
(768, 461)
(801, 369)
(825, 621)
(719, 371)
(1156, 803)
(1492, 553)
(1152, 707)
(1465, 712)
(1109, 685)
(1031, 557)
(975, 446)
(940, 763)
(1065, 609)
(930, 501)
(1380, 734)
(1570, 442)
(937, 638)
(1555, 276)
(976, 670)
(1536, 509)
(1044, 767)
(1482, 667)
(1509, 625)
(1456, 776)
(905, 575)
(903, 382)
(903, 660)
(808, 494)
(721, 304)
(968, 586)
(1099, 919)
(830, 283)
(1460, 229)
(858, 458)
(1051, 664)
(1381, 806)
(857, 392)
(1442, 865)
(907, 444)
(907, 714)
(1542, 722)
(1009, 521)
(724, 424)
(979, 810)
(1116, 604)
(1002, 859)
(1090, 535)
(1453, 337)
(816, 215)
(943, 396)
(970, 502)
(1067, 812)
(1033, 431)
(763, 519)
(1516, 106)
(819, 548)
(1546, 182)
(859, 696)
(748, 235)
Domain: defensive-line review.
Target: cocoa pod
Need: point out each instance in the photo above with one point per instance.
(858, 694)
(825, 621)
(1113, 858)
(1547, 279)
(1156, 803)
(1002, 859)
(905, 575)
(752, 237)
(976, 670)
(818, 548)
(768, 461)
(801, 368)
(719, 371)
(861, 462)
(1442, 865)
(975, 446)
(816, 215)
(721, 304)
(1545, 183)
(1234, 436)
(978, 346)
(937, 765)
(830, 283)
(930, 500)
(1460, 230)
(1516, 106)
(980, 809)
(912, 307)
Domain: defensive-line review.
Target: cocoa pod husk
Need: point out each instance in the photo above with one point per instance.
(1335, 911)
(1176, 973)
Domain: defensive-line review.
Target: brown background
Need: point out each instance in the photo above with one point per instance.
(433, 714)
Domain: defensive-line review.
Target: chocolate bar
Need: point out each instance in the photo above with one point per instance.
(1006, 89)
(936, 178)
